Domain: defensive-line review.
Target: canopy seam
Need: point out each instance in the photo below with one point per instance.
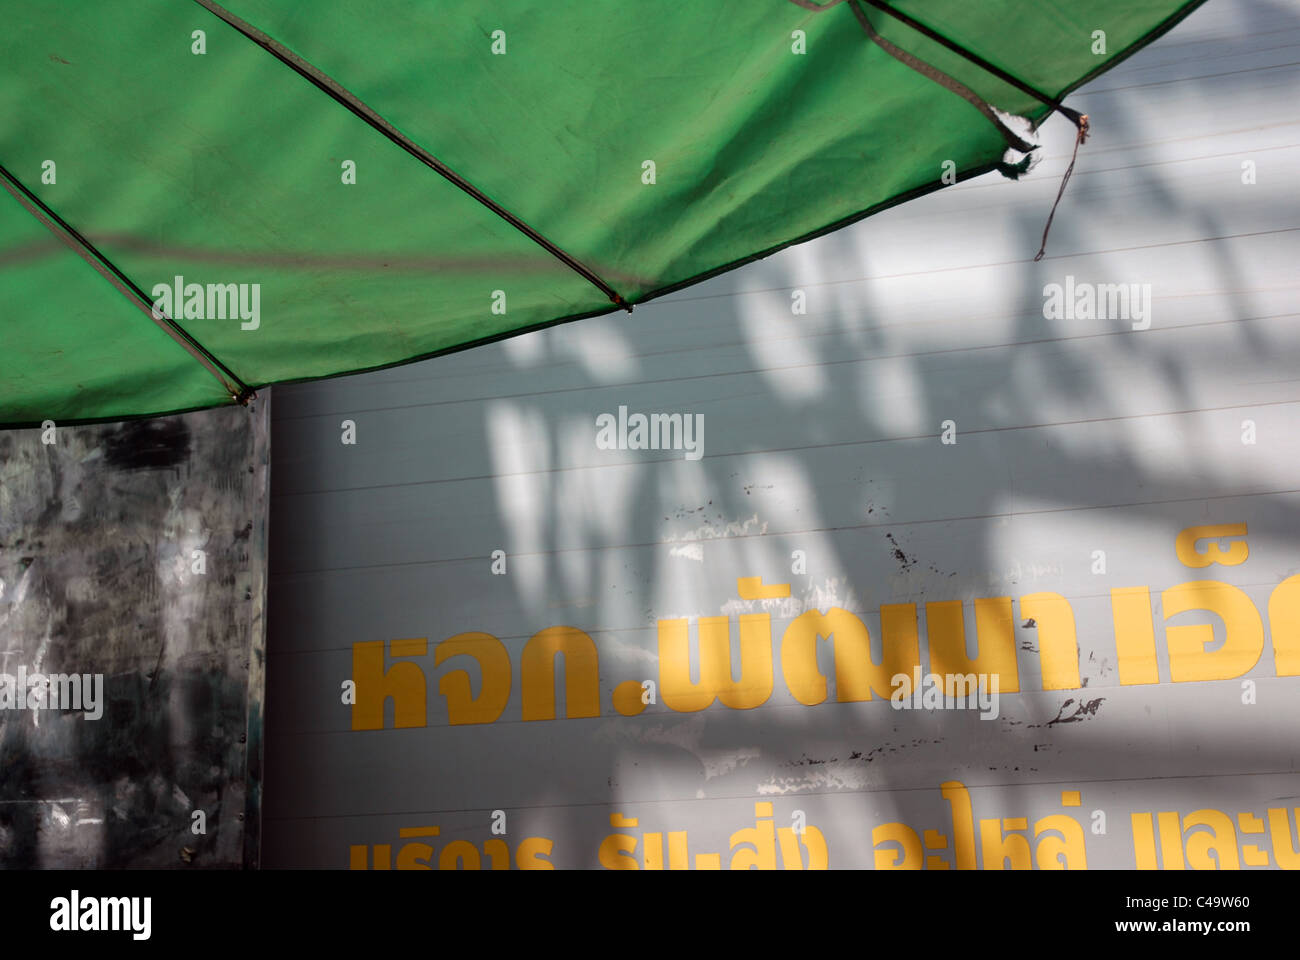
(375, 120)
(944, 80)
(1080, 120)
(1005, 76)
(75, 240)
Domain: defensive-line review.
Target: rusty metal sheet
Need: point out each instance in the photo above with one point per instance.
(134, 554)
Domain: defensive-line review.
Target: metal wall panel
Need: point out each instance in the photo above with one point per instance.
(1083, 447)
(136, 552)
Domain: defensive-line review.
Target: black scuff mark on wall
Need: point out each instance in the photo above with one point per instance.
(903, 559)
(1082, 711)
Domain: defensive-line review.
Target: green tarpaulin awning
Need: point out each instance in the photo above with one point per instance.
(201, 200)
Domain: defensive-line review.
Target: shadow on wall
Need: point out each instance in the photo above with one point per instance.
(822, 436)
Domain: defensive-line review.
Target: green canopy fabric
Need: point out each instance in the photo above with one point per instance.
(382, 182)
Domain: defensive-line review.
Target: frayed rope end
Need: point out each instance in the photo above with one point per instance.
(1081, 122)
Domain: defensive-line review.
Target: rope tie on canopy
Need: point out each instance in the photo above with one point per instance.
(1080, 120)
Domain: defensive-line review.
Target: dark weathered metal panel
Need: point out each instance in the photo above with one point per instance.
(135, 551)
